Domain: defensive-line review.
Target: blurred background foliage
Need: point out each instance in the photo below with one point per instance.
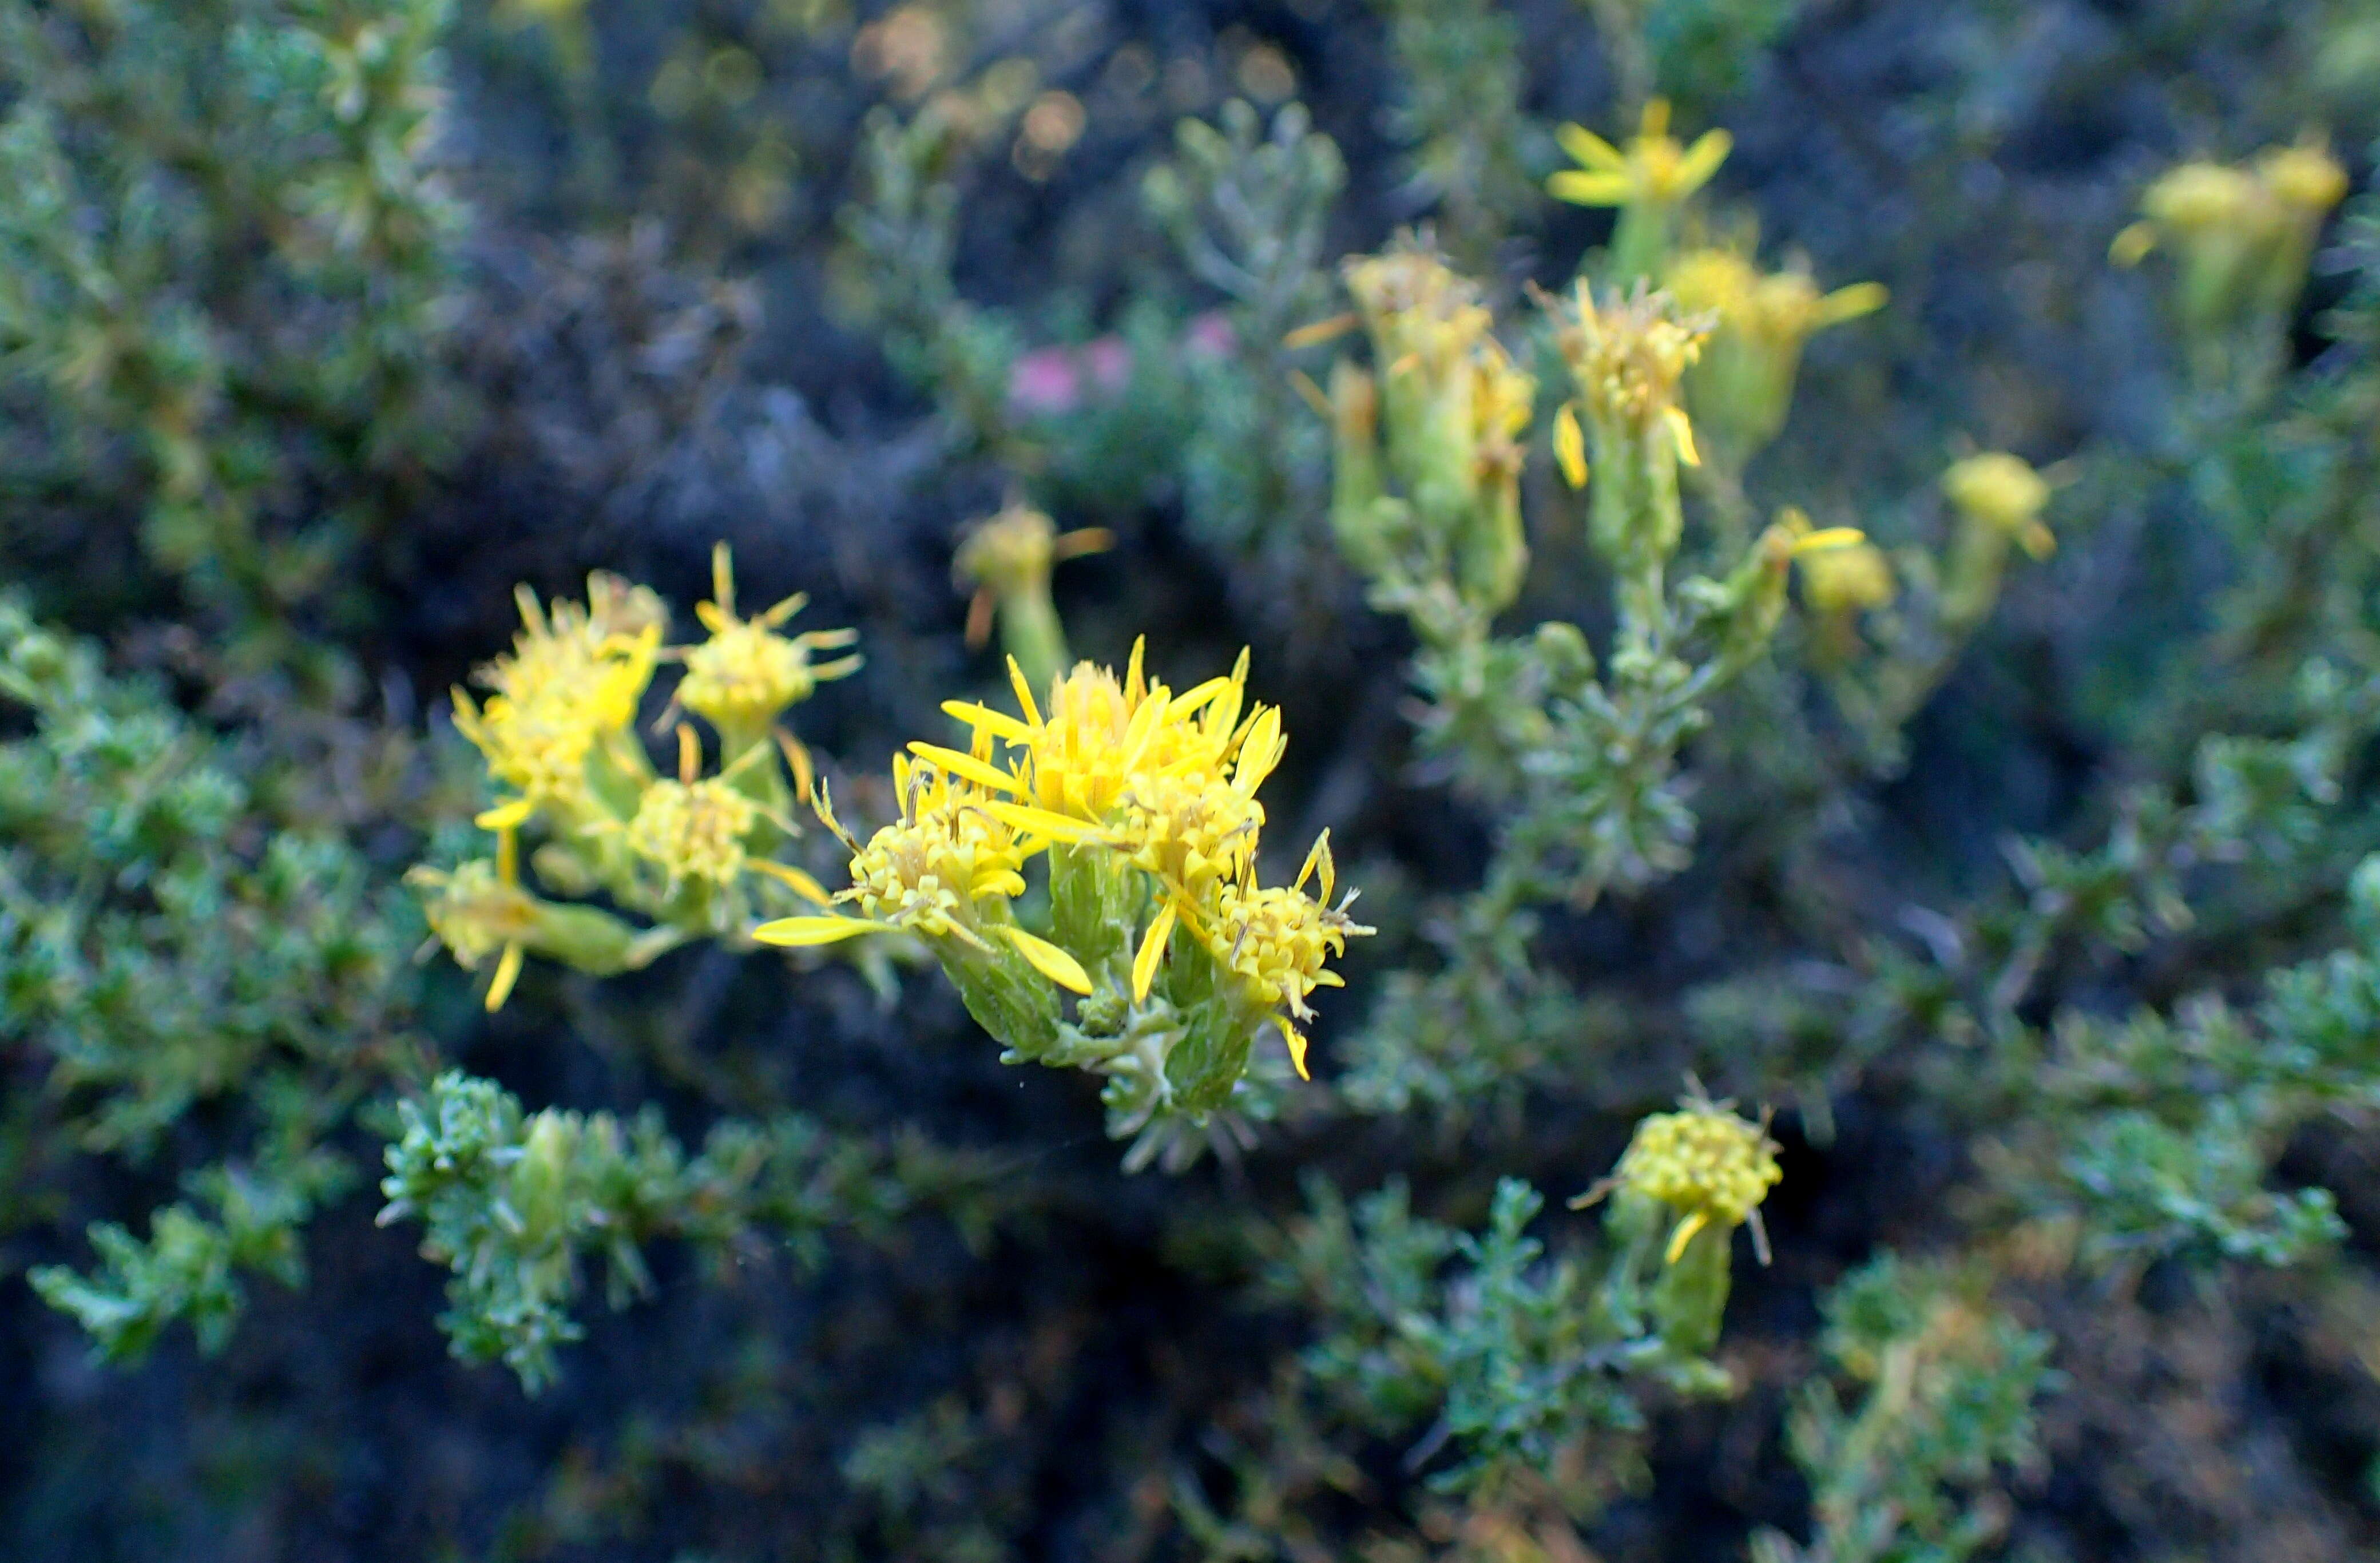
(2007, 874)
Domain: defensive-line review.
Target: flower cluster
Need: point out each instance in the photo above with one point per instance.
(2242, 235)
(1143, 802)
(1430, 456)
(695, 853)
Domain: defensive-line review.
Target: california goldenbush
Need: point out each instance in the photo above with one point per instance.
(616, 615)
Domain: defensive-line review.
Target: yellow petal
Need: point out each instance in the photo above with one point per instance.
(1152, 947)
(1582, 189)
(1702, 161)
(801, 932)
(722, 578)
(1259, 752)
(1042, 822)
(2037, 540)
(1296, 1040)
(1320, 331)
(508, 969)
(1188, 704)
(802, 884)
(957, 764)
(999, 724)
(1570, 445)
(1827, 538)
(1589, 150)
(1318, 857)
(1676, 419)
(1849, 303)
(2133, 246)
(1024, 692)
(1051, 961)
(1684, 1235)
(1083, 540)
(510, 815)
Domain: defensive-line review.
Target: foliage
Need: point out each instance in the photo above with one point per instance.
(1830, 551)
(1945, 1392)
(169, 951)
(508, 1202)
(221, 278)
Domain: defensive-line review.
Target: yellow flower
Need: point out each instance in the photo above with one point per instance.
(1849, 579)
(2197, 197)
(480, 909)
(693, 828)
(1420, 312)
(2306, 176)
(1705, 1163)
(1194, 832)
(1780, 308)
(1742, 387)
(1628, 356)
(1014, 553)
(574, 675)
(926, 873)
(1655, 169)
(1272, 942)
(746, 673)
(2004, 492)
(1102, 736)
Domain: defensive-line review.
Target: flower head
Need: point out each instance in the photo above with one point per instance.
(1708, 1165)
(1417, 308)
(574, 675)
(1628, 356)
(1784, 308)
(2305, 176)
(692, 829)
(746, 673)
(1104, 737)
(2199, 197)
(1655, 169)
(479, 909)
(1849, 579)
(1272, 941)
(1742, 387)
(2004, 492)
(926, 873)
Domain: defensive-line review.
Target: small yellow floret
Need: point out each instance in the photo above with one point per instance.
(1654, 170)
(693, 831)
(746, 673)
(2306, 176)
(1421, 313)
(1704, 1162)
(2201, 197)
(573, 676)
(478, 910)
(1849, 579)
(2003, 491)
(1781, 308)
(1628, 355)
(926, 873)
